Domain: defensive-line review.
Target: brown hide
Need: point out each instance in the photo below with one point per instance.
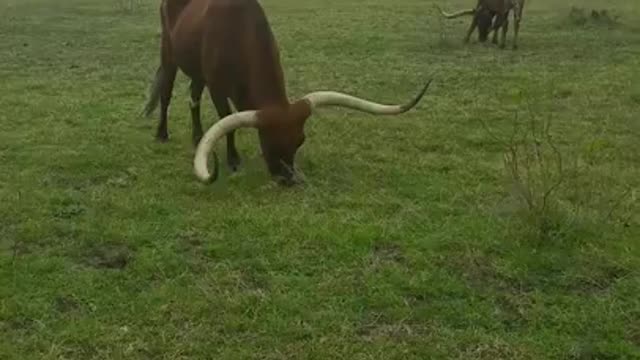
(227, 46)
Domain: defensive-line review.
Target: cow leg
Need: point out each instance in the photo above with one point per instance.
(223, 109)
(496, 26)
(485, 23)
(196, 95)
(474, 24)
(505, 28)
(168, 76)
(166, 88)
(516, 28)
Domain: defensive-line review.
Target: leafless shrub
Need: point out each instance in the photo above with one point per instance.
(536, 170)
(553, 187)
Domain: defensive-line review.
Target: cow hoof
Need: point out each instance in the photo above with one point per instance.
(286, 182)
(196, 140)
(162, 138)
(234, 163)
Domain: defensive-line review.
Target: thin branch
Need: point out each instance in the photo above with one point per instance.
(617, 203)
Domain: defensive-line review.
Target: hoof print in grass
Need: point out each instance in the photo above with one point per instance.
(387, 252)
(65, 304)
(109, 257)
(69, 210)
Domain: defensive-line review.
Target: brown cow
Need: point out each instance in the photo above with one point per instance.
(487, 9)
(228, 46)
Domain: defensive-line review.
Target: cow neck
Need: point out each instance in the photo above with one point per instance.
(268, 95)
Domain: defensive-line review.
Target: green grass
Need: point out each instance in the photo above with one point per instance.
(403, 242)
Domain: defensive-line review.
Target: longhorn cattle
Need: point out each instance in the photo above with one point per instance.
(483, 13)
(228, 46)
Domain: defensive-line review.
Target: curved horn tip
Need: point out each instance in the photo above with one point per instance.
(426, 86)
(418, 97)
(210, 178)
(207, 144)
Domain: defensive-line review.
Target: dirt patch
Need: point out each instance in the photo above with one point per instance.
(69, 210)
(375, 327)
(190, 240)
(493, 349)
(599, 279)
(477, 269)
(512, 310)
(18, 323)
(384, 252)
(123, 179)
(587, 351)
(633, 331)
(115, 257)
(190, 243)
(65, 304)
(12, 247)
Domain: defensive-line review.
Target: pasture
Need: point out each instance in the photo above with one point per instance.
(409, 238)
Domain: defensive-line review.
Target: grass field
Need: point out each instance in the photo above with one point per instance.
(406, 240)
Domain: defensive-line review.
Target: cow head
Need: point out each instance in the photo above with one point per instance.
(281, 129)
(281, 132)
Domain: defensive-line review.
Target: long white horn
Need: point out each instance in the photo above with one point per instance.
(211, 137)
(331, 98)
(456, 14)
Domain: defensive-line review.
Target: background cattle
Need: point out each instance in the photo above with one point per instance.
(483, 15)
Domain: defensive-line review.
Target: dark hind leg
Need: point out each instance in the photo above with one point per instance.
(496, 26)
(516, 28)
(166, 88)
(472, 27)
(197, 87)
(223, 109)
(505, 29)
(167, 78)
(485, 23)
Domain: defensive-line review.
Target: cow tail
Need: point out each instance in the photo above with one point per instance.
(154, 93)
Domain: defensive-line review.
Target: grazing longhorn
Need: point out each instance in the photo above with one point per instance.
(228, 46)
(483, 14)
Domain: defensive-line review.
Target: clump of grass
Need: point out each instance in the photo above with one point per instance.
(535, 168)
(535, 171)
(583, 17)
(551, 188)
